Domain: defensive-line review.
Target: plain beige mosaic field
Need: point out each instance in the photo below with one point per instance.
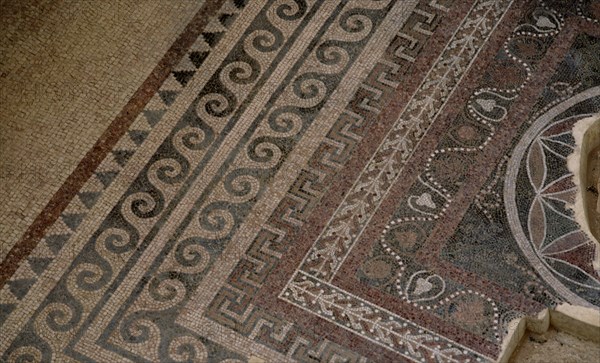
(66, 70)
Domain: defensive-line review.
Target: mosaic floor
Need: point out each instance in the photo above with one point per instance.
(322, 181)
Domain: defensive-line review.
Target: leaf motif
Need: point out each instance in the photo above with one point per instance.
(537, 223)
(536, 166)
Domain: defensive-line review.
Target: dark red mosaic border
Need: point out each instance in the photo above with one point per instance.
(106, 142)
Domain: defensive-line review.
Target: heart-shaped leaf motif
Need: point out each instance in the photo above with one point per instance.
(486, 104)
(425, 200)
(424, 286)
(544, 22)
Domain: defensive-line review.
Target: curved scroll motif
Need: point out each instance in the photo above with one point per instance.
(192, 257)
(139, 206)
(138, 329)
(191, 139)
(309, 89)
(141, 331)
(266, 152)
(285, 122)
(261, 43)
(355, 25)
(333, 58)
(91, 276)
(27, 353)
(276, 135)
(215, 106)
(167, 288)
(216, 220)
(243, 185)
(186, 348)
(290, 10)
(237, 74)
(170, 285)
(116, 240)
(165, 174)
(35, 350)
(59, 317)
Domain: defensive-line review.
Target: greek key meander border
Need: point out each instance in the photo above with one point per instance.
(401, 123)
(46, 281)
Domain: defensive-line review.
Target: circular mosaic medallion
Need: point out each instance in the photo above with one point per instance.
(538, 192)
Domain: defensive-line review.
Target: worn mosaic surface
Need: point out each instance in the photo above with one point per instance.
(326, 181)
